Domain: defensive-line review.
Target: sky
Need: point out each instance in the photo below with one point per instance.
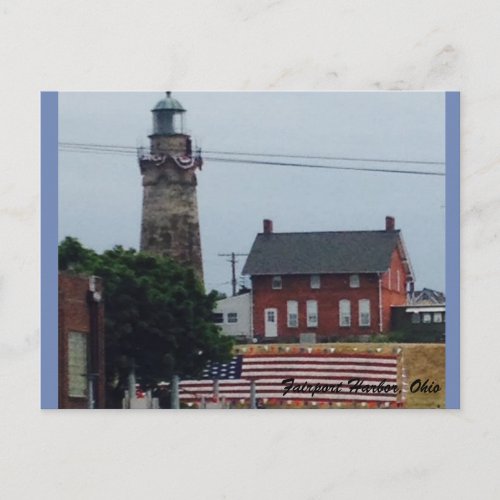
(100, 195)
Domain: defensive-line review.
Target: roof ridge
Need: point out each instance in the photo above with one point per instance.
(330, 232)
(319, 252)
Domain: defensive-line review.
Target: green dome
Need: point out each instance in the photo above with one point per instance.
(169, 104)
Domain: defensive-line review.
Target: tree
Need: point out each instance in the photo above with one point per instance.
(158, 317)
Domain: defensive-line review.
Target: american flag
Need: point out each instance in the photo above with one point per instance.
(232, 380)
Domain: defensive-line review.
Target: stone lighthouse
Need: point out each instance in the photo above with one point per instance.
(170, 225)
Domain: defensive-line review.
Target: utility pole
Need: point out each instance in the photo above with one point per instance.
(233, 262)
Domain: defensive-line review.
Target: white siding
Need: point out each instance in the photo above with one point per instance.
(241, 306)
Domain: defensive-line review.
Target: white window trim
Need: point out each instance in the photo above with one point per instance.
(314, 277)
(280, 287)
(351, 279)
(341, 315)
(312, 310)
(269, 312)
(361, 313)
(440, 315)
(292, 308)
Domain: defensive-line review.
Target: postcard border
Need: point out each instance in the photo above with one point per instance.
(452, 253)
(49, 242)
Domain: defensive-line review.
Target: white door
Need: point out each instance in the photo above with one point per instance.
(271, 322)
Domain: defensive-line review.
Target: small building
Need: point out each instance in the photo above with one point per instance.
(233, 315)
(422, 322)
(81, 342)
(327, 284)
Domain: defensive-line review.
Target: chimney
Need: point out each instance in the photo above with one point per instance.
(268, 226)
(390, 223)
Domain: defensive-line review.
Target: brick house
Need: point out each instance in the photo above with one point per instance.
(330, 284)
(81, 342)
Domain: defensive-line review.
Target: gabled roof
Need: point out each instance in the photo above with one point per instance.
(428, 296)
(323, 252)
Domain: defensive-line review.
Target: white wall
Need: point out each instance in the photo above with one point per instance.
(241, 305)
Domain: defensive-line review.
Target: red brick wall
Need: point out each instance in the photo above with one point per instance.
(391, 296)
(333, 289)
(75, 316)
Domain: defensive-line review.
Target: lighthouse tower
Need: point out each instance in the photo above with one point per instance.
(170, 225)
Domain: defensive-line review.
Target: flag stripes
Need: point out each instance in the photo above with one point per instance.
(232, 381)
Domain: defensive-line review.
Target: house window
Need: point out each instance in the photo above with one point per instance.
(293, 313)
(271, 316)
(77, 364)
(218, 318)
(315, 281)
(312, 313)
(345, 312)
(398, 281)
(232, 317)
(364, 312)
(354, 280)
(427, 318)
(438, 317)
(277, 283)
(415, 318)
(389, 279)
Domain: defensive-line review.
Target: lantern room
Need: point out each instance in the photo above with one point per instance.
(168, 117)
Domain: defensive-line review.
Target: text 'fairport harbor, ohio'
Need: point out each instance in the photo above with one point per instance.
(328, 319)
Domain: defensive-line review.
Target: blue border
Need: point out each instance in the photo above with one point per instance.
(453, 250)
(49, 238)
(48, 264)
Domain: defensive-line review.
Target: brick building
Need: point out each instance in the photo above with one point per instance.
(81, 342)
(330, 284)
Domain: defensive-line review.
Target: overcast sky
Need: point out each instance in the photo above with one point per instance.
(100, 196)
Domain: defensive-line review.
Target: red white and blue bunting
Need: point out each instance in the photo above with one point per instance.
(186, 162)
(183, 161)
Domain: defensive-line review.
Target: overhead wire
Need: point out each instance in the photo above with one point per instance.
(89, 148)
(270, 155)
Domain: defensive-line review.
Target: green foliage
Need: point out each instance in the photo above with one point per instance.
(379, 337)
(408, 337)
(158, 317)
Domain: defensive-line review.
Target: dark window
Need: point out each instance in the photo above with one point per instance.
(232, 317)
(218, 318)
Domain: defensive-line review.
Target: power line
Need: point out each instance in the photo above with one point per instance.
(129, 151)
(330, 167)
(343, 158)
(273, 155)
